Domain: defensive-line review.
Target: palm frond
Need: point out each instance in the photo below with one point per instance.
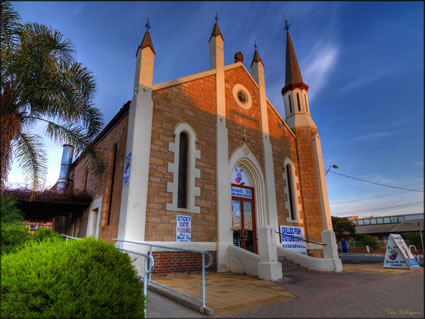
(29, 151)
(64, 133)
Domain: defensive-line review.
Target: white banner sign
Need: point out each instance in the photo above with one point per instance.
(398, 255)
(127, 166)
(183, 228)
(241, 192)
(293, 238)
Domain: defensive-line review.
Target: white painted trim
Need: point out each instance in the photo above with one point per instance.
(236, 89)
(297, 118)
(184, 79)
(192, 173)
(209, 246)
(296, 193)
(240, 64)
(321, 182)
(312, 263)
(242, 156)
(135, 195)
(280, 117)
(96, 204)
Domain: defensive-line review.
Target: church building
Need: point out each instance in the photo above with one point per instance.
(206, 162)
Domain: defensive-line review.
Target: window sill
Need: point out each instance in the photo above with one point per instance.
(174, 208)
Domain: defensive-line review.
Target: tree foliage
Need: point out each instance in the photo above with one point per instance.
(343, 227)
(413, 238)
(368, 240)
(14, 232)
(41, 82)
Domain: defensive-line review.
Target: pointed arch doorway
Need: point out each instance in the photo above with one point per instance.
(243, 210)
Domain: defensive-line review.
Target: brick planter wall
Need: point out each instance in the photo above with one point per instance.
(169, 262)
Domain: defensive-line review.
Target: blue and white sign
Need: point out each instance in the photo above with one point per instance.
(127, 165)
(293, 239)
(241, 192)
(398, 255)
(183, 228)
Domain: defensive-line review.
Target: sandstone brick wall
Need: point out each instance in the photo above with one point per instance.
(283, 145)
(195, 103)
(168, 262)
(240, 121)
(101, 185)
(310, 190)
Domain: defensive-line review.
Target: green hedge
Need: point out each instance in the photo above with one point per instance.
(84, 278)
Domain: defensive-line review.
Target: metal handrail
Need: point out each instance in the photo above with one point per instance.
(68, 237)
(149, 280)
(303, 239)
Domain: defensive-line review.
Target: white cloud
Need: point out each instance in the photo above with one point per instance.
(364, 80)
(317, 71)
(372, 135)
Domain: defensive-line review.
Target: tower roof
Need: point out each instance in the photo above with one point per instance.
(293, 73)
(256, 58)
(146, 42)
(216, 32)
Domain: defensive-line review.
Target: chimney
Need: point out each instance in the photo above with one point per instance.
(238, 57)
(67, 153)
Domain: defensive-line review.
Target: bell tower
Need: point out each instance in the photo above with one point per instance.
(295, 96)
(318, 223)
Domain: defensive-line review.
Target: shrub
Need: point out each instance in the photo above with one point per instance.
(413, 239)
(84, 278)
(367, 240)
(44, 234)
(13, 237)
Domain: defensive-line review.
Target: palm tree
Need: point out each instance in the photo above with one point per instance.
(40, 81)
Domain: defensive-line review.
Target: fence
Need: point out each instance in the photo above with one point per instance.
(149, 278)
(34, 225)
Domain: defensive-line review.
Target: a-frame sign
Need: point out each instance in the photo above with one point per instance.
(398, 255)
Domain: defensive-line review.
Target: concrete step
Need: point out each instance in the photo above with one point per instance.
(288, 265)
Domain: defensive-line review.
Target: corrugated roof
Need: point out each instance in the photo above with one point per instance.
(390, 228)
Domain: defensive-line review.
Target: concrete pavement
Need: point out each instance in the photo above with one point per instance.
(360, 291)
(346, 295)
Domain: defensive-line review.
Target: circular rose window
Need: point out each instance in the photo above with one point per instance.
(242, 96)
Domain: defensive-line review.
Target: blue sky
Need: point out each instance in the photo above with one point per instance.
(363, 61)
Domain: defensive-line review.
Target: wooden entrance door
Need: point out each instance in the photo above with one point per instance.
(243, 218)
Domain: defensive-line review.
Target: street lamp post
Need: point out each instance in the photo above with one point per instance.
(332, 166)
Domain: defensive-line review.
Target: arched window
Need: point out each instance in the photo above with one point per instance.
(109, 186)
(306, 104)
(298, 100)
(85, 178)
(183, 170)
(182, 182)
(291, 191)
(290, 103)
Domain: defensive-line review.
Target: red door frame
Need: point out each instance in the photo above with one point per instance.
(254, 224)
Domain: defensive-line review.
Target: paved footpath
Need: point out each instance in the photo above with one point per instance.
(346, 295)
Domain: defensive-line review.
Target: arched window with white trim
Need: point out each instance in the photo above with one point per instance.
(183, 187)
(291, 191)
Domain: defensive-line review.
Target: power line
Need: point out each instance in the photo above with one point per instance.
(359, 200)
(383, 208)
(363, 180)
